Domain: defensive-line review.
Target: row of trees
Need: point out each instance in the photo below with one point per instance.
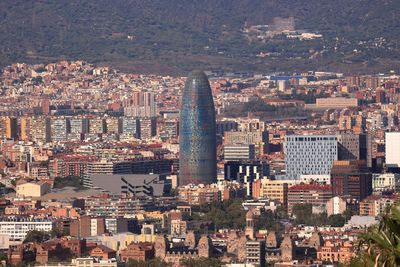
(201, 262)
(303, 215)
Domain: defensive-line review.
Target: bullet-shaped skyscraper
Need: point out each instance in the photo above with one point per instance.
(197, 136)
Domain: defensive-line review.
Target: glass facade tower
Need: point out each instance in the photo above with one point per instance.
(197, 134)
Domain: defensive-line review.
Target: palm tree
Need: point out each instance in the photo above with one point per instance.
(380, 246)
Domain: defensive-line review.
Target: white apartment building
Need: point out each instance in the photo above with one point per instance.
(392, 148)
(17, 228)
(385, 181)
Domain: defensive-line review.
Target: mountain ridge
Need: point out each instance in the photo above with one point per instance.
(175, 36)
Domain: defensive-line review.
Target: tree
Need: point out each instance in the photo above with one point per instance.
(303, 215)
(336, 220)
(72, 181)
(156, 262)
(380, 245)
(36, 236)
(227, 214)
(201, 262)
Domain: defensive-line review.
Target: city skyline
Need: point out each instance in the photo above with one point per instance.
(231, 133)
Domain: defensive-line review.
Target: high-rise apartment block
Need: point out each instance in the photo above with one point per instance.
(144, 105)
(113, 125)
(8, 127)
(148, 128)
(97, 126)
(130, 127)
(40, 130)
(59, 129)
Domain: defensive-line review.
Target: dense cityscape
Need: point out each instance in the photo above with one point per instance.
(105, 168)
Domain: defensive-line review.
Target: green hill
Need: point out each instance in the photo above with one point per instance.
(176, 35)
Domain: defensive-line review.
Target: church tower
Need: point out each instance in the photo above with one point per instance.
(250, 225)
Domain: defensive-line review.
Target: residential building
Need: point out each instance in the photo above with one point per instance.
(257, 138)
(336, 102)
(336, 251)
(385, 182)
(18, 227)
(59, 129)
(313, 194)
(376, 205)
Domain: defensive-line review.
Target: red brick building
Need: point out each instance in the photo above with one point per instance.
(138, 252)
(103, 252)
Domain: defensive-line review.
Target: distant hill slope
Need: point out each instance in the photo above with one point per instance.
(174, 36)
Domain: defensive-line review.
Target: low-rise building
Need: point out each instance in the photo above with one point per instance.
(33, 189)
(336, 251)
(375, 205)
(103, 252)
(314, 194)
(18, 227)
(137, 252)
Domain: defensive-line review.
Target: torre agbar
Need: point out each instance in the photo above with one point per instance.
(197, 144)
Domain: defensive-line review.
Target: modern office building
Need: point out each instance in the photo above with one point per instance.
(351, 178)
(353, 146)
(309, 154)
(104, 167)
(197, 158)
(141, 166)
(239, 152)
(392, 150)
(245, 172)
(140, 185)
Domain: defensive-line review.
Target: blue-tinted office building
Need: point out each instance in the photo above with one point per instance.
(197, 132)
